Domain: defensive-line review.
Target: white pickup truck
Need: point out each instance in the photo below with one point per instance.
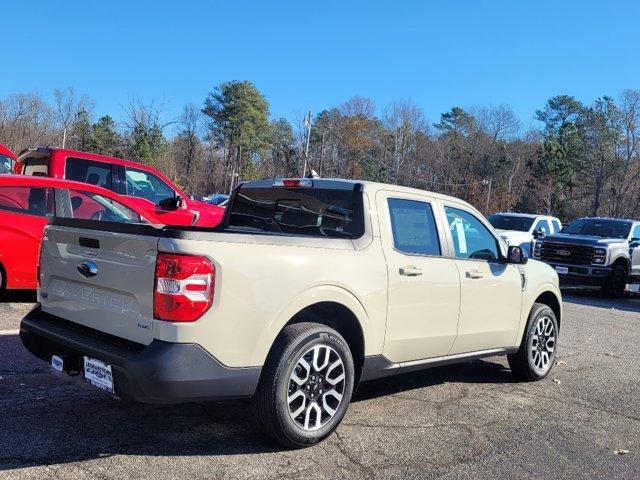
(306, 288)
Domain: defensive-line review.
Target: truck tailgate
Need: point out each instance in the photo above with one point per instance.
(101, 279)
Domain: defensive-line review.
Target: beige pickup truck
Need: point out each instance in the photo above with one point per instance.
(307, 288)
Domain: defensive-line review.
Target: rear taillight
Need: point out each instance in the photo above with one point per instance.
(183, 287)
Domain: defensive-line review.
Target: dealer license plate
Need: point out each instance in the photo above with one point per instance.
(98, 374)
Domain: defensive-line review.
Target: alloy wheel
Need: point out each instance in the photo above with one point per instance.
(316, 387)
(543, 345)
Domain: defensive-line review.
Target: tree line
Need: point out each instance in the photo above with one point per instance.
(580, 160)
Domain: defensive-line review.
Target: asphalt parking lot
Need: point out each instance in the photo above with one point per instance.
(465, 421)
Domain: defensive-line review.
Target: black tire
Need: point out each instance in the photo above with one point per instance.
(270, 400)
(522, 362)
(617, 282)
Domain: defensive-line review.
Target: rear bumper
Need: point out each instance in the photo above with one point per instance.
(160, 372)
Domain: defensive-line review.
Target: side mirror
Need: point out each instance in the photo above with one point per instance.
(539, 233)
(171, 203)
(516, 255)
(634, 242)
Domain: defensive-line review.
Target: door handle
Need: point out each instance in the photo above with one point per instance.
(410, 271)
(475, 274)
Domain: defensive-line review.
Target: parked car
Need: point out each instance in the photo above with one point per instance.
(217, 199)
(523, 229)
(147, 187)
(595, 251)
(7, 159)
(308, 287)
(27, 203)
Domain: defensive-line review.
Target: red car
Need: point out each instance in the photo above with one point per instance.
(7, 159)
(26, 203)
(148, 188)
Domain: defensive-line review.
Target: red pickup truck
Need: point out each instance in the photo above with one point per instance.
(149, 189)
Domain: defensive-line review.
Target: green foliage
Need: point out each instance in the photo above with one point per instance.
(239, 115)
(147, 143)
(81, 131)
(283, 149)
(456, 121)
(105, 138)
(562, 146)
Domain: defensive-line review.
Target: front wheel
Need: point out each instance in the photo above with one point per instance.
(536, 355)
(306, 385)
(617, 282)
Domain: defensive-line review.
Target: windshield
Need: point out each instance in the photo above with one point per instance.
(511, 222)
(599, 228)
(6, 164)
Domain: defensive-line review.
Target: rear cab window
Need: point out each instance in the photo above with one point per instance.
(26, 200)
(309, 211)
(36, 166)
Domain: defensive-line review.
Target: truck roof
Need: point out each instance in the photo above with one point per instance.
(609, 219)
(347, 184)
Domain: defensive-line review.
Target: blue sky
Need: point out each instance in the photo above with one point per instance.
(315, 55)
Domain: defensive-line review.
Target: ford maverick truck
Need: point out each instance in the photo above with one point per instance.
(306, 288)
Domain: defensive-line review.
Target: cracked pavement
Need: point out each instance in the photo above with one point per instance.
(463, 421)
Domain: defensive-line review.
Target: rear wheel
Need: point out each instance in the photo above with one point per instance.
(536, 355)
(617, 282)
(306, 385)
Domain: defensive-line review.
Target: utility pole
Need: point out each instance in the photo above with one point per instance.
(307, 122)
(321, 153)
(488, 183)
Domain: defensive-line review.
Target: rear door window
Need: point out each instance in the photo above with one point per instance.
(147, 185)
(89, 171)
(413, 227)
(93, 206)
(36, 201)
(318, 212)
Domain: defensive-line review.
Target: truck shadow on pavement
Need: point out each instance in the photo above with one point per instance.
(18, 296)
(594, 298)
(50, 419)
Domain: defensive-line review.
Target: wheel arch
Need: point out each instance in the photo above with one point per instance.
(341, 319)
(622, 260)
(550, 299)
(328, 305)
(4, 276)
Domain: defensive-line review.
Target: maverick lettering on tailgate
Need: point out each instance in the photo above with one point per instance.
(93, 296)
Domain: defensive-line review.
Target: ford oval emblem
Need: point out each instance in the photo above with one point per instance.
(564, 253)
(88, 269)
